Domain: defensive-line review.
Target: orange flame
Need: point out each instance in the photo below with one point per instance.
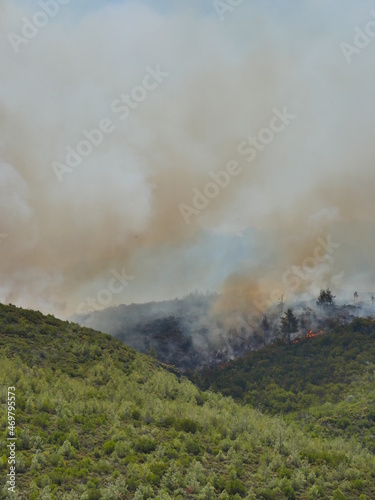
(308, 335)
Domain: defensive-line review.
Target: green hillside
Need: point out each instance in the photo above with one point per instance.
(325, 383)
(95, 419)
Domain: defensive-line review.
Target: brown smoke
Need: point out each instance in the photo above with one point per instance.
(119, 208)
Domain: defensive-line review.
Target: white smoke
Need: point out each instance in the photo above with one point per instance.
(119, 208)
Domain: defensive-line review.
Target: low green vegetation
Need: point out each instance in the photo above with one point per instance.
(326, 383)
(95, 419)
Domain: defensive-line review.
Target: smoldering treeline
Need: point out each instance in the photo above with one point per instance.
(190, 333)
(119, 208)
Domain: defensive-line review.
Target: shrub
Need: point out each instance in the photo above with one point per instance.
(225, 445)
(136, 414)
(121, 449)
(145, 445)
(159, 468)
(94, 494)
(267, 494)
(284, 472)
(37, 461)
(338, 495)
(59, 476)
(67, 450)
(287, 489)
(235, 486)
(201, 398)
(57, 437)
(187, 425)
(144, 492)
(24, 442)
(41, 420)
(73, 439)
(109, 447)
(314, 492)
(167, 421)
(193, 447)
(103, 466)
(207, 493)
(357, 484)
(219, 482)
(3, 462)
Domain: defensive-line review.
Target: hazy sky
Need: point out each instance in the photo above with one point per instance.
(116, 118)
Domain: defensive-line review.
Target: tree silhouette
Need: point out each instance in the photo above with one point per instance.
(280, 304)
(289, 324)
(326, 298)
(265, 324)
(306, 318)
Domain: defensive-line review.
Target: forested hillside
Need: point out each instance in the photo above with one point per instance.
(326, 383)
(94, 419)
(176, 331)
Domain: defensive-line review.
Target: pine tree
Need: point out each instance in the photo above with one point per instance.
(289, 324)
(326, 298)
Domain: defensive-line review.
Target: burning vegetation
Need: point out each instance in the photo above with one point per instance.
(308, 335)
(190, 333)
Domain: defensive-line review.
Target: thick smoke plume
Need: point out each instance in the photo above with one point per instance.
(224, 80)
